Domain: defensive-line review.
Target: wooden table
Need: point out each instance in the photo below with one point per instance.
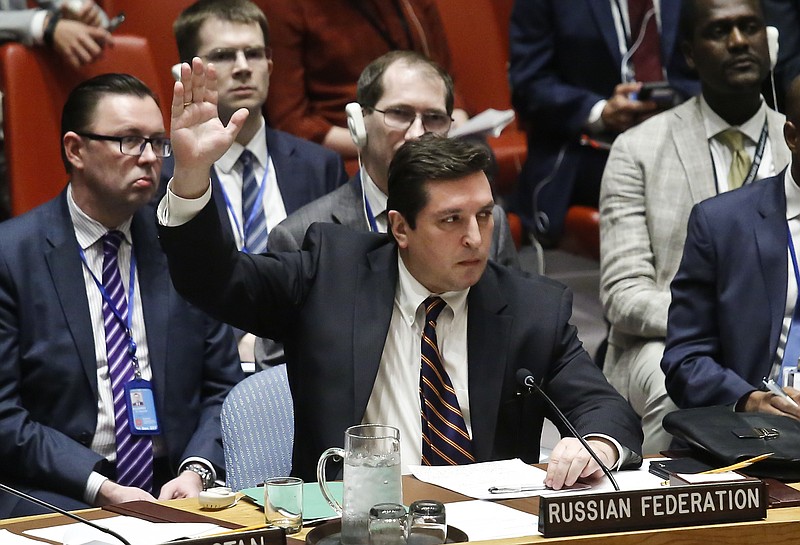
(781, 527)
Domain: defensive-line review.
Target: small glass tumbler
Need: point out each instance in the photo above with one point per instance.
(283, 503)
(426, 524)
(387, 524)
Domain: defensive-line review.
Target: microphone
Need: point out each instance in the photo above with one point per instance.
(525, 378)
(51, 507)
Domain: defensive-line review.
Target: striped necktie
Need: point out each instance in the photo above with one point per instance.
(134, 452)
(445, 440)
(254, 221)
(646, 58)
(733, 139)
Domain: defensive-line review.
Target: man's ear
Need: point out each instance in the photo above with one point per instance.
(790, 134)
(688, 54)
(399, 228)
(73, 149)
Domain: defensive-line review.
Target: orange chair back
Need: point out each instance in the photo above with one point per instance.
(152, 19)
(477, 33)
(36, 84)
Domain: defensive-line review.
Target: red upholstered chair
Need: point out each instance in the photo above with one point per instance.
(478, 37)
(152, 19)
(582, 232)
(35, 84)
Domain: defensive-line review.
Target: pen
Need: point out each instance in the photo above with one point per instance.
(777, 390)
(738, 465)
(512, 490)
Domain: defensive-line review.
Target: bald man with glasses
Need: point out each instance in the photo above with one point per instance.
(400, 96)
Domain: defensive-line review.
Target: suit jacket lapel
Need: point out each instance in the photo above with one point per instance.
(689, 137)
(349, 210)
(771, 243)
(375, 289)
(154, 286)
(217, 193)
(283, 160)
(66, 271)
(605, 25)
(488, 331)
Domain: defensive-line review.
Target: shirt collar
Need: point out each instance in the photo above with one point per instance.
(792, 194)
(375, 197)
(411, 294)
(257, 146)
(88, 230)
(714, 124)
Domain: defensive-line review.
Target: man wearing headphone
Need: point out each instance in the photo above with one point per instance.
(718, 141)
(401, 96)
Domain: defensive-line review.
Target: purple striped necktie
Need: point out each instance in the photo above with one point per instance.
(445, 440)
(134, 452)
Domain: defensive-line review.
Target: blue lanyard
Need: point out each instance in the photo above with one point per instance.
(253, 212)
(373, 224)
(126, 323)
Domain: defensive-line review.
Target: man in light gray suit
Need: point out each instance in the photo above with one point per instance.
(657, 171)
(401, 95)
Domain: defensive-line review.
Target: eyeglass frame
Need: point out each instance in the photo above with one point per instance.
(417, 115)
(145, 140)
(265, 49)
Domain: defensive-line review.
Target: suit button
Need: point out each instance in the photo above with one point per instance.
(85, 438)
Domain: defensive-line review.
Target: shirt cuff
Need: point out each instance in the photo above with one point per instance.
(174, 210)
(93, 484)
(37, 26)
(624, 454)
(594, 123)
(199, 460)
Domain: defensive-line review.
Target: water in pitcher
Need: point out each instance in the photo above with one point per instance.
(367, 481)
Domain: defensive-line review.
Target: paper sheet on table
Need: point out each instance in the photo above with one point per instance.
(483, 520)
(630, 479)
(8, 538)
(474, 480)
(135, 530)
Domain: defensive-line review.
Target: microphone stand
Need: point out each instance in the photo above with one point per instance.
(51, 507)
(526, 378)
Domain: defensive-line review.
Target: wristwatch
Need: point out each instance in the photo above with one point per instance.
(205, 474)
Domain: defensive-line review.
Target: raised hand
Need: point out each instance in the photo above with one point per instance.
(198, 135)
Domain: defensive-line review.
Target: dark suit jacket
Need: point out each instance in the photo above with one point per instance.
(728, 297)
(305, 172)
(48, 380)
(331, 306)
(345, 206)
(565, 58)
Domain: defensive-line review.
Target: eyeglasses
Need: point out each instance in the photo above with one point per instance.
(402, 118)
(134, 145)
(227, 55)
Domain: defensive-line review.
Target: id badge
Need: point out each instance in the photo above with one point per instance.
(142, 416)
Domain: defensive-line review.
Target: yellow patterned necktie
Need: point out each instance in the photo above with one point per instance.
(740, 160)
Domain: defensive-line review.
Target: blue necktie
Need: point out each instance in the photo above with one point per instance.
(253, 218)
(134, 452)
(445, 440)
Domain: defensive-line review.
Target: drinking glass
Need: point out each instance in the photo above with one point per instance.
(427, 524)
(283, 503)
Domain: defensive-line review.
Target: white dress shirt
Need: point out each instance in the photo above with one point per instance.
(721, 154)
(793, 218)
(395, 395)
(229, 172)
(377, 201)
(89, 233)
